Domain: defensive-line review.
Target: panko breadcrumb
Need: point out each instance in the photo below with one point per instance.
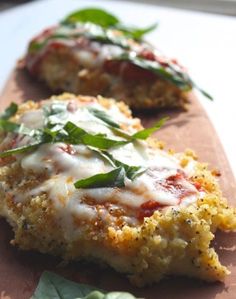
(168, 240)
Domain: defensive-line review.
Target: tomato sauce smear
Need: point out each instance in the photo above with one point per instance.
(173, 185)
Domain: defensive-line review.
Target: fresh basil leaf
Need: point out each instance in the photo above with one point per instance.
(136, 33)
(102, 115)
(100, 142)
(74, 133)
(52, 286)
(19, 150)
(77, 135)
(9, 126)
(180, 79)
(131, 171)
(145, 133)
(93, 15)
(111, 295)
(114, 178)
(10, 111)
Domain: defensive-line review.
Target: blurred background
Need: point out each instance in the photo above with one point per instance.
(227, 7)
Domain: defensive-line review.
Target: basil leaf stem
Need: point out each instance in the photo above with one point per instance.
(145, 133)
(102, 115)
(19, 150)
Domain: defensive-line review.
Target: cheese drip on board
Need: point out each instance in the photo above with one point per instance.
(163, 183)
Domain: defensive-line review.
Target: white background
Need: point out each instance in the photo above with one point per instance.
(206, 43)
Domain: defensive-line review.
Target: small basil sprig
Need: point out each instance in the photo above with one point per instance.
(77, 135)
(93, 15)
(72, 134)
(53, 286)
(106, 20)
(131, 172)
(114, 178)
(169, 72)
(10, 111)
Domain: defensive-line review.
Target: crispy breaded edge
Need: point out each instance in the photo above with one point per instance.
(61, 70)
(172, 241)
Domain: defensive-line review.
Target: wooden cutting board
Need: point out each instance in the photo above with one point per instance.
(20, 271)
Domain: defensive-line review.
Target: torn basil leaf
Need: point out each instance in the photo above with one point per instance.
(180, 79)
(131, 171)
(53, 286)
(10, 111)
(92, 15)
(19, 150)
(111, 295)
(100, 142)
(77, 135)
(8, 126)
(114, 178)
(56, 287)
(106, 20)
(134, 32)
(102, 115)
(145, 133)
(169, 72)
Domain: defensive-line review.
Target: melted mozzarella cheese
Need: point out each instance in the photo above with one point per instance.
(64, 167)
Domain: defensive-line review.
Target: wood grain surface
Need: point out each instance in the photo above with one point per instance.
(20, 271)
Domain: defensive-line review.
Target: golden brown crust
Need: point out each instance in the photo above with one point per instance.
(61, 71)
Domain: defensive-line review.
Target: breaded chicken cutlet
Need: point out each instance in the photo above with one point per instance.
(81, 179)
(87, 58)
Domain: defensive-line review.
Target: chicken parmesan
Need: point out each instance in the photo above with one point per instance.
(95, 56)
(81, 179)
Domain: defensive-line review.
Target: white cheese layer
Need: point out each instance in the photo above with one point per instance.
(65, 164)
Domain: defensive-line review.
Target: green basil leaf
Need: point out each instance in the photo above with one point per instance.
(131, 171)
(100, 142)
(52, 286)
(9, 126)
(93, 15)
(19, 150)
(111, 295)
(180, 79)
(145, 133)
(74, 133)
(77, 135)
(102, 115)
(10, 111)
(136, 33)
(114, 178)
(206, 94)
